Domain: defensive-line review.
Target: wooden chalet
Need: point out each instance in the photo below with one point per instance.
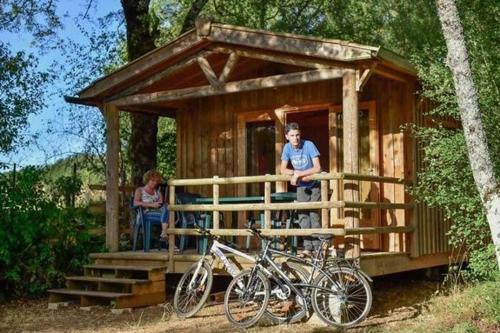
(231, 91)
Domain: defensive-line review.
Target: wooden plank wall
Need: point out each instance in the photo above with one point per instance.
(432, 227)
(393, 106)
(207, 144)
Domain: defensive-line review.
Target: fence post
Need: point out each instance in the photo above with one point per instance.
(171, 225)
(324, 198)
(216, 202)
(267, 201)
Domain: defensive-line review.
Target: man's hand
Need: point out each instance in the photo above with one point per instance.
(294, 179)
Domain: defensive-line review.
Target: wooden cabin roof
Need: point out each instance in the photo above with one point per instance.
(176, 66)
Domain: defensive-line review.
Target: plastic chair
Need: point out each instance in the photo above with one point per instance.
(187, 219)
(141, 222)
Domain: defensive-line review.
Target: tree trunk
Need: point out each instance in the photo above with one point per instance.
(475, 137)
(194, 11)
(140, 40)
(144, 127)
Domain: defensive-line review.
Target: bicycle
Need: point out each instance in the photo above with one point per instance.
(195, 285)
(340, 293)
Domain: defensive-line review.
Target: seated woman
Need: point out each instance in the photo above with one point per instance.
(151, 199)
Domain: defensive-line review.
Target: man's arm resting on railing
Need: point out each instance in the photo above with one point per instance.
(284, 168)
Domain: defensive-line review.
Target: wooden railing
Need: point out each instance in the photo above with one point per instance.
(328, 181)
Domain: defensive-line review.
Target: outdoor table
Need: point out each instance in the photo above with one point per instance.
(275, 197)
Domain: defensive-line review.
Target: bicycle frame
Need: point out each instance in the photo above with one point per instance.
(216, 251)
(314, 264)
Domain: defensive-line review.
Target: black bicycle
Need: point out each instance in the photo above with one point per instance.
(337, 290)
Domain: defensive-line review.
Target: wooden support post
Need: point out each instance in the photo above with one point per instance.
(216, 202)
(267, 201)
(278, 146)
(111, 117)
(171, 226)
(324, 198)
(351, 157)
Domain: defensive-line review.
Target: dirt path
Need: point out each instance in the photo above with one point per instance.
(396, 300)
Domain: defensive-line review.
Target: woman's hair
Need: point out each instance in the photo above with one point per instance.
(151, 174)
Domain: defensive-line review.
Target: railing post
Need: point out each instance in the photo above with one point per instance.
(171, 225)
(324, 198)
(216, 202)
(267, 201)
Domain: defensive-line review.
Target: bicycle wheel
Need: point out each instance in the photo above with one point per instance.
(192, 291)
(285, 306)
(346, 297)
(246, 298)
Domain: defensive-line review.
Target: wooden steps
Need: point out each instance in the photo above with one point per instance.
(101, 279)
(121, 286)
(90, 293)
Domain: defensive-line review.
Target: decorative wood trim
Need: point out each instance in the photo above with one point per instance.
(208, 71)
(149, 81)
(322, 48)
(229, 67)
(362, 79)
(189, 41)
(282, 59)
(232, 87)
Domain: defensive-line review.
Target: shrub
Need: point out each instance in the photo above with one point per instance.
(39, 240)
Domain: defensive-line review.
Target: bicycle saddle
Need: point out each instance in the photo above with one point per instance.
(323, 236)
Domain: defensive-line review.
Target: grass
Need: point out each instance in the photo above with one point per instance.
(475, 308)
(402, 305)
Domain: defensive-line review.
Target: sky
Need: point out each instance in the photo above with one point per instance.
(49, 147)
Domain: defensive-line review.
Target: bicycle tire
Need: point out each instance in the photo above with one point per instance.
(276, 317)
(348, 303)
(180, 291)
(232, 293)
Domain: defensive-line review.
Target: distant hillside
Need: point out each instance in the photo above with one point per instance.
(65, 166)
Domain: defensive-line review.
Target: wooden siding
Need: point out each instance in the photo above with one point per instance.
(431, 225)
(210, 144)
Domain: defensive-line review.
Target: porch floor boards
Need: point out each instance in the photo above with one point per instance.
(374, 263)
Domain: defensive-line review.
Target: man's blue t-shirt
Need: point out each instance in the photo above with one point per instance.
(301, 158)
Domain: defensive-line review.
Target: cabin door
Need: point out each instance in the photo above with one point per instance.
(368, 150)
(260, 154)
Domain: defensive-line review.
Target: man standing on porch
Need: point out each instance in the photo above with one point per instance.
(304, 157)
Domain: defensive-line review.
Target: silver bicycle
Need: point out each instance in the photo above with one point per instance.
(195, 285)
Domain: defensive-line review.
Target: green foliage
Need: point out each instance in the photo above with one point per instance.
(446, 181)
(483, 264)
(21, 94)
(67, 187)
(39, 240)
(38, 17)
(166, 156)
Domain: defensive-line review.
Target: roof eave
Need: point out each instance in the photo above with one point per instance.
(395, 60)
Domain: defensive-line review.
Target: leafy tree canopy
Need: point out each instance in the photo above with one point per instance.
(21, 94)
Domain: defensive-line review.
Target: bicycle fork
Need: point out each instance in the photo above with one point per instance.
(192, 282)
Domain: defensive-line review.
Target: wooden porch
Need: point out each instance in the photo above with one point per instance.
(373, 263)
